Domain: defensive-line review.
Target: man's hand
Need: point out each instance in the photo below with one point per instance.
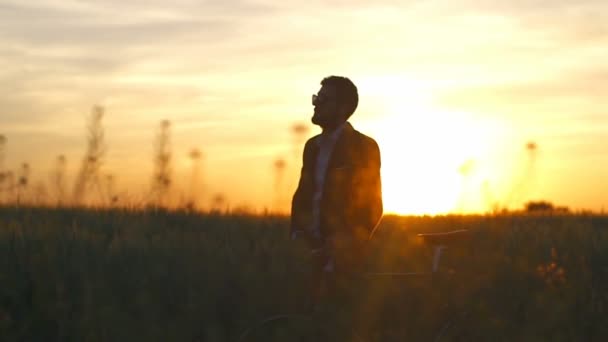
(328, 247)
(295, 233)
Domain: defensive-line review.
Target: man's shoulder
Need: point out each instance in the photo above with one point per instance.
(312, 140)
(364, 139)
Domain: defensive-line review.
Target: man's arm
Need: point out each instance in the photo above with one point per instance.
(375, 208)
(297, 202)
(295, 209)
(367, 197)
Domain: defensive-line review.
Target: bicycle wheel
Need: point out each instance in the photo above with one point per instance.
(299, 328)
(292, 327)
(463, 325)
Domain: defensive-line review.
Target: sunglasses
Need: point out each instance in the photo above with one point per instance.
(320, 99)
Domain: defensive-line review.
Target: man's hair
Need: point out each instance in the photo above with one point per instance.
(346, 92)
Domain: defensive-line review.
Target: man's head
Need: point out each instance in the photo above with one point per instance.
(335, 103)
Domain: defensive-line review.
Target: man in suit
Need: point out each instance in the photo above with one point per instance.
(338, 202)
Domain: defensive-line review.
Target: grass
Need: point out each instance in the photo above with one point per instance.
(131, 275)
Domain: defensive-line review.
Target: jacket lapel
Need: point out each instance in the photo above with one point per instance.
(340, 154)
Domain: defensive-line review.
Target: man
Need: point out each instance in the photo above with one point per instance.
(338, 202)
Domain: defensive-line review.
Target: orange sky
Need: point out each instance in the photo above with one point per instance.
(452, 93)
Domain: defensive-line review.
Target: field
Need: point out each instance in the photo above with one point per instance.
(128, 275)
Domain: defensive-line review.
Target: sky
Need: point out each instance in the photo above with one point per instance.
(453, 91)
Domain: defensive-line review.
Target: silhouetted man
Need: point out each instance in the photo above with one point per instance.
(338, 202)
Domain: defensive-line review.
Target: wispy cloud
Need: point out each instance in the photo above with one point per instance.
(564, 93)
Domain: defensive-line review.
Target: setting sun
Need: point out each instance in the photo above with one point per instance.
(423, 148)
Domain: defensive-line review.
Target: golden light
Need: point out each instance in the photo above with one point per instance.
(423, 148)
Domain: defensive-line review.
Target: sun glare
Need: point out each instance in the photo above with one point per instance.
(423, 150)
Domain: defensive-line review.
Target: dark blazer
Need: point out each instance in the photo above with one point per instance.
(352, 194)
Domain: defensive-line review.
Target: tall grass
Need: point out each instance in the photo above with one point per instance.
(129, 275)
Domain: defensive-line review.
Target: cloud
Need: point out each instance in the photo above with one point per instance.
(580, 91)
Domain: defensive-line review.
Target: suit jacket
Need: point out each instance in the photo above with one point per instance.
(352, 192)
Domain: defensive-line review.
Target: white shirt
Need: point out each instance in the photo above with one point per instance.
(326, 143)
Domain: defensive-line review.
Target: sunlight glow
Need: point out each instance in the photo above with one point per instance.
(423, 150)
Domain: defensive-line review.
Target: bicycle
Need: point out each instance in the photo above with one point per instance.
(326, 325)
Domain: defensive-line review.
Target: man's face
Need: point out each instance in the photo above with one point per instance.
(327, 112)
